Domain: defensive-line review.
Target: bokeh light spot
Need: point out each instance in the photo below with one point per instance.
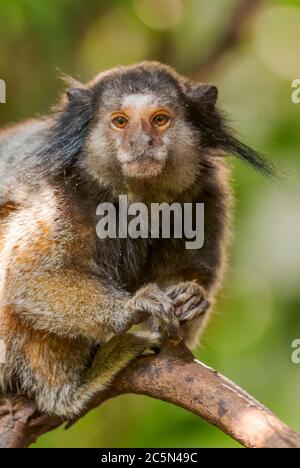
(277, 39)
(159, 14)
(113, 40)
(249, 306)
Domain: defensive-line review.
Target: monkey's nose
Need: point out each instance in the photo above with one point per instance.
(145, 141)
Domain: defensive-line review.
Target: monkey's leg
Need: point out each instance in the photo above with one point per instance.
(110, 359)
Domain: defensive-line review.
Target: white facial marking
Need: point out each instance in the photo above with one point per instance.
(138, 100)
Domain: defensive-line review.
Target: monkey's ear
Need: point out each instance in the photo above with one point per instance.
(75, 94)
(204, 94)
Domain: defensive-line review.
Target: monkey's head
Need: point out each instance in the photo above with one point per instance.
(141, 130)
(144, 125)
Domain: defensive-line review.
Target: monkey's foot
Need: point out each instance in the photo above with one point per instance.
(189, 300)
(121, 349)
(159, 308)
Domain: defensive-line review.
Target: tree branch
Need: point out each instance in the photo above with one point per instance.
(231, 37)
(174, 376)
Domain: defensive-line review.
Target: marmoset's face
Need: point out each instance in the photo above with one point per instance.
(142, 130)
(141, 133)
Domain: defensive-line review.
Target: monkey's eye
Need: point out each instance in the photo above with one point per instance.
(119, 121)
(161, 119)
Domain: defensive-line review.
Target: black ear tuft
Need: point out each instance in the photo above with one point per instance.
(69, 129)
(76, 94)
(204, 94)
(231, 145)
(216, 135)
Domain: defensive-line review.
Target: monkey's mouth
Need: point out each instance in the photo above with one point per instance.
(143, 167)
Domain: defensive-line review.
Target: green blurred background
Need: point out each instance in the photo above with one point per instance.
(257, 317)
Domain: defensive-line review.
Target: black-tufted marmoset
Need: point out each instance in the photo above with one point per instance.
(67, 297)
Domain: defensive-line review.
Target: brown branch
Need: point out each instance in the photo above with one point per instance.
(234, 33)
(174, 376)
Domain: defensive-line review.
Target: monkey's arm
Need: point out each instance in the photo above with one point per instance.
(69, 303)
(43, 286)
(72, 303)
(39, 281)
(192, 282)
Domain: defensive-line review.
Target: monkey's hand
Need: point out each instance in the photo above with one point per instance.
(152, 303)
(188, 299)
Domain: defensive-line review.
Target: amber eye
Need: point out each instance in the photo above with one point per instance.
(119, 121)
(161, 119)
